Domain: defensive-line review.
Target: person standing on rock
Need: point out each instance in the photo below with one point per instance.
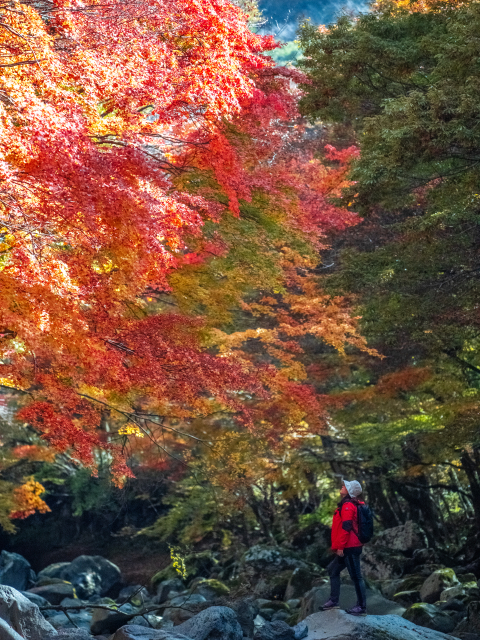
(347, 548)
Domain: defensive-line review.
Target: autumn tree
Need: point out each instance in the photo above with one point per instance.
(149, 185)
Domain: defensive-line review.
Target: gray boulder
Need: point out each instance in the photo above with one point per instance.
(20, 617)
(15, 571)
(271, 559)
(92, 575)
(277, 630)
(54, 593)
(376, 603)
(406, 537)
(427, 615)
(212, 623)
(80, 619)
(136, 632)
(300, 631)
(52, 571)
(211, 589)
(452, 592)
(246, 611)
(437, 582)
(382, 563)
(184, 607)
(339, 625)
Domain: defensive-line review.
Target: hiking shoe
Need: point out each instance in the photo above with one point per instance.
(357, 610)
(330, 605)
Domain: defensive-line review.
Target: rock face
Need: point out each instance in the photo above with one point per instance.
(211, 624)
(437, 582)
(406, 537)
(21, 617)
(276, 630)
(15, 571)
(382, 563)
(426, 615)
(339, 625)
(376, 604)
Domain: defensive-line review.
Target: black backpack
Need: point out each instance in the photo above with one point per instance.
(365, 523)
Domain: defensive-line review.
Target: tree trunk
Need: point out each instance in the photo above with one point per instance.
(380, 503)
(473, 475)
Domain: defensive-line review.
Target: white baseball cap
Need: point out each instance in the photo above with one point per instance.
(354, 488)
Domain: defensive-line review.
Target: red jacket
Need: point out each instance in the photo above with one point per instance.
(344, 526)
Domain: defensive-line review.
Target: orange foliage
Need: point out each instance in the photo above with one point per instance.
(27, 500)
(34, 452)
(103, 109)
(416, 6)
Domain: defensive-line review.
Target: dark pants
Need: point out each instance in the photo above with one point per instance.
(350, 560)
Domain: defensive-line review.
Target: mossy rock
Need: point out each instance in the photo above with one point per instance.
(211, 588)
(427, 615)
(437, 582)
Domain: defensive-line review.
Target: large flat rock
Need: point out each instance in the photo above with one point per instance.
(376, 603)
(338, 625)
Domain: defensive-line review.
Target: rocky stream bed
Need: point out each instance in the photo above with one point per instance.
(269, 593)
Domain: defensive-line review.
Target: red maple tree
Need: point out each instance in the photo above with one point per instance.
(104, 108)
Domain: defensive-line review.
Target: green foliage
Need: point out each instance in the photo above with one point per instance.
(88, 493)
(191, 515)
(6, 506)
(404, 85)
(322, 515)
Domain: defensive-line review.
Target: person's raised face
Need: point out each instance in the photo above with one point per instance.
(343, 491)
